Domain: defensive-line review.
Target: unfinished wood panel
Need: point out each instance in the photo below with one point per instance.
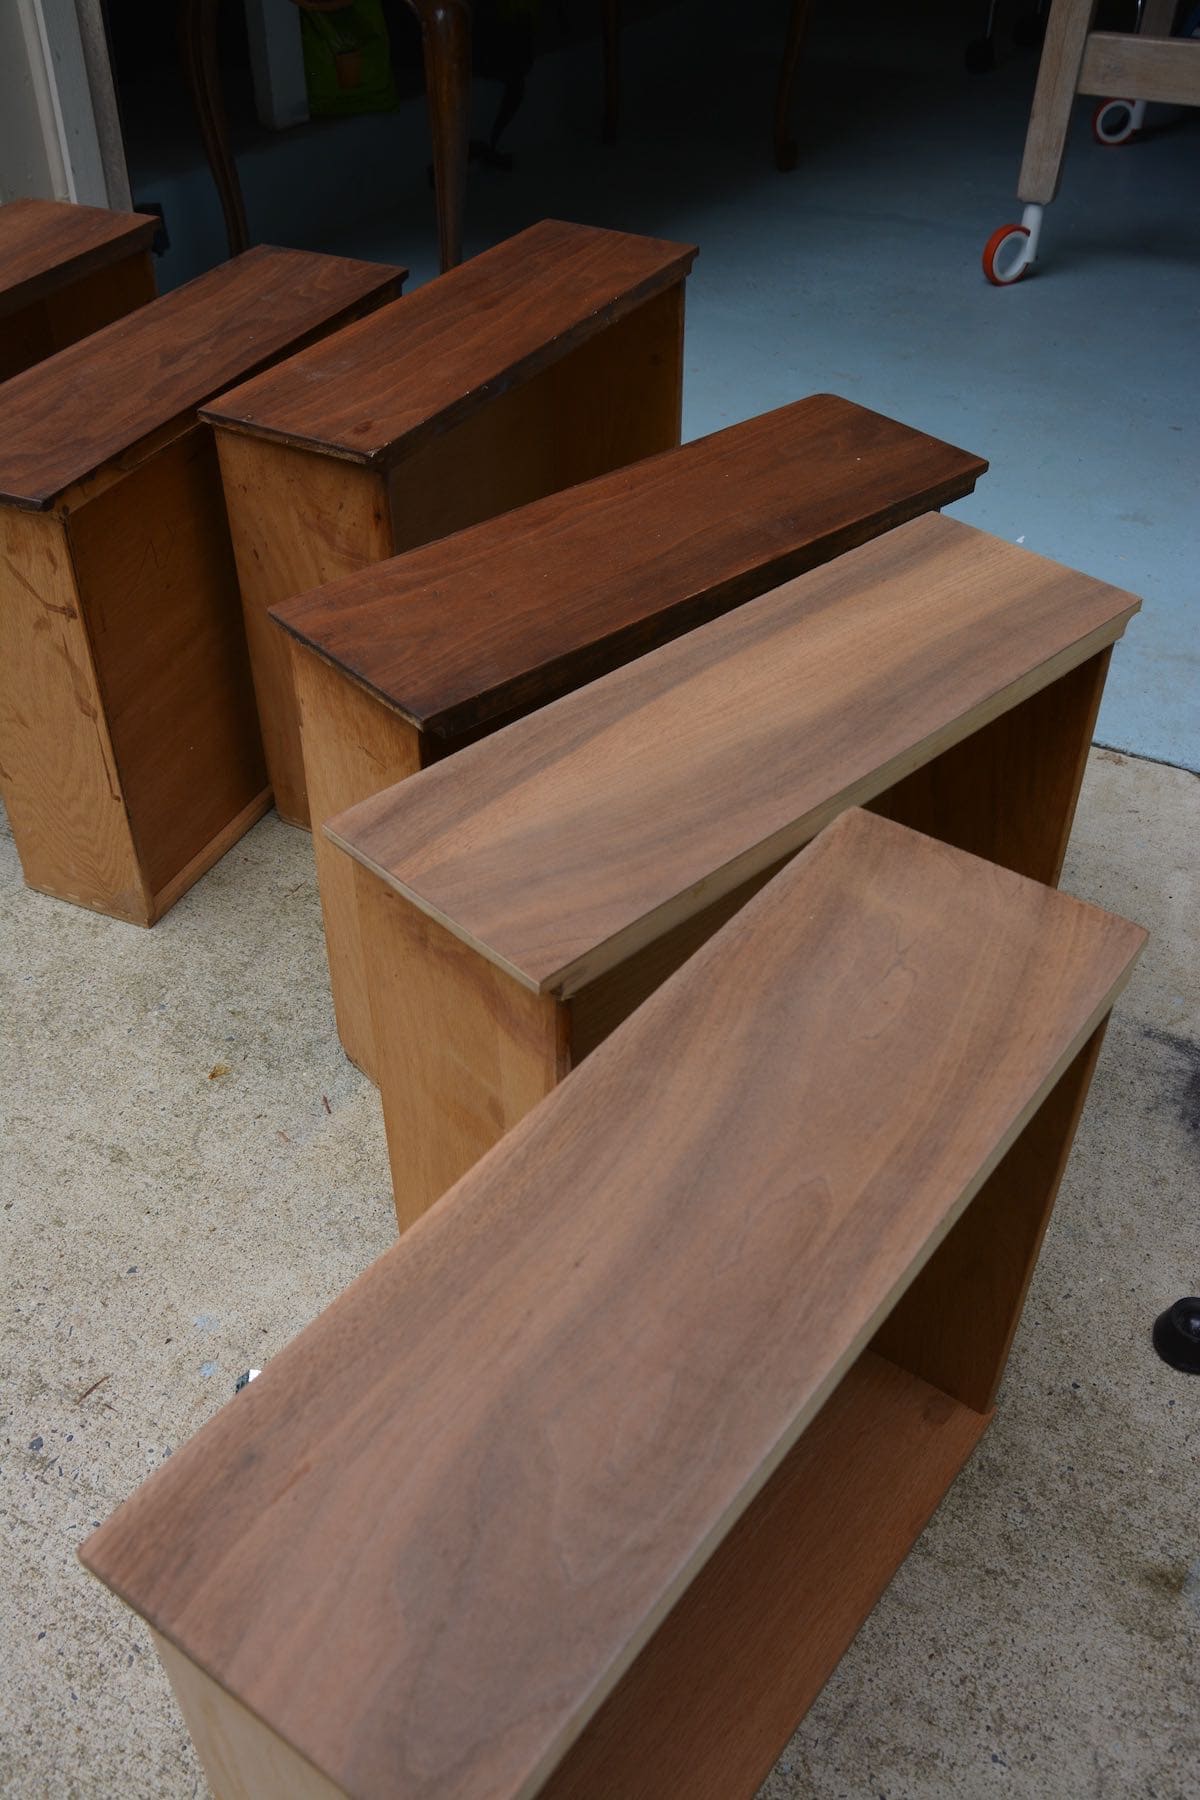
(458, 343)
(296, 521)
(242, 1758)
(61, 786)
(955, 1325)
(613, 400)
(461, 1051)
(539, 1396)
(152, 557)
(563, 845)
(729, 1674)
(353, 746)
(1162, 70)
(1009, 791)
(1007, 794)
(525, 606)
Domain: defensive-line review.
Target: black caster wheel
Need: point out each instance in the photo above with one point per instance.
(1177, 1335)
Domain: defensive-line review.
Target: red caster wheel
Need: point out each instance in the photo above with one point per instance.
(1116, 122)
(1006, 255)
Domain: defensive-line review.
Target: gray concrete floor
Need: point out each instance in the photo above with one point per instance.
(191, 1170)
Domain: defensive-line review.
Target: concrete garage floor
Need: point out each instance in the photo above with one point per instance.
(191, 1170)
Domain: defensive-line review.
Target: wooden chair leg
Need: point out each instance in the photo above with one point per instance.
(786, 151)
(198, 51)
(611, 23)
(446, 39)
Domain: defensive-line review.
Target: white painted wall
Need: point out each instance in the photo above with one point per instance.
(50, 125)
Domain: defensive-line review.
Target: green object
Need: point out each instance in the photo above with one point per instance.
(347, 60)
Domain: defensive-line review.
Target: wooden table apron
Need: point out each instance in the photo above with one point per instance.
(464, 1047)
(303, 512)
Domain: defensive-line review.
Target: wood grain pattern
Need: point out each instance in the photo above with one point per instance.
(714, 1697)
(524, 607)
(1058, 78)
(295, 521)
(47, 245)
(446, 641)
(299, 519)
(128, 733)
(467, 1054)
(563, 844)
(459, 1049)
(1164, 70)
(615, 397)
(99, 398)
(152, 558)
(1008, 792)
(242, 1758)
(351, 744)
(538, 1398)
(424, 363)
(742, 1655)
(61, 787)
(955, 1325)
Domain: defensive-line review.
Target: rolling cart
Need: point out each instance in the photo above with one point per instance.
(1150, 65)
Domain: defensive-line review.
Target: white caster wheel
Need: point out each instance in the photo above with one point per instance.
(1117, 122)
(1006, 255)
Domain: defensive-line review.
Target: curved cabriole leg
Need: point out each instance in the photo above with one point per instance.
(446, 39)
(786, 152)
(198, 51)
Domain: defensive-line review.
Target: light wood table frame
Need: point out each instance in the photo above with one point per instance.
(586, 1485)
(552, 358)
(403, 664)
(66, 271)
(1150, 65)
(519, 900)
(130, 756)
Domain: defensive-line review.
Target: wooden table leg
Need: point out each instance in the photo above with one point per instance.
(1058, 79)
(786, 152)
(446, 40)
(198, 51)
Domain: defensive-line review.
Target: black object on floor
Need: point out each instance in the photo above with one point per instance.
(1177, 1335)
